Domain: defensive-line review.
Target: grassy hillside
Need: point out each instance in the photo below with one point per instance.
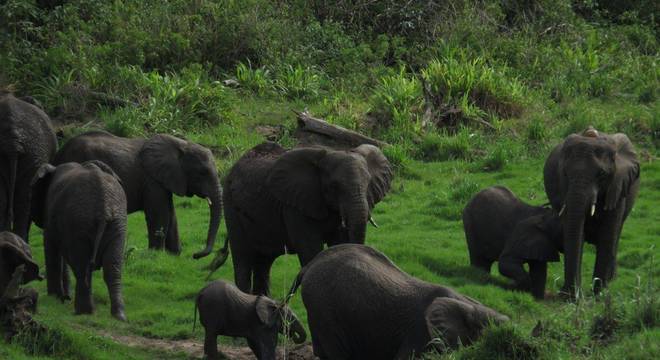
(468, 93)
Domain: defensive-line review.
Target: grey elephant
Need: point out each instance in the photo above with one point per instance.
(294, 201)
(151, 170)
(14, 252)
(592, 181)
(360, 305)
(226, 310)
(82, 209)
(27, 141)
(500, 227)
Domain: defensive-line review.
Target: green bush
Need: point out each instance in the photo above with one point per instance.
(257, 80)
(476, 88)
(396, 100)
(297, 82)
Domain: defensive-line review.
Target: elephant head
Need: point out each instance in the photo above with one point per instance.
(455, 322)
(587, 174)
(539, 237)
(278, 318)
(186, 169)
(318, 180)
(13, 253)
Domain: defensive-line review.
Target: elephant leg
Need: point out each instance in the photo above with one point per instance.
(513, 269)
(255, 347)
(211, 344)
(66, 281)
(83, 302)
(261, 275)
(538, 273)
(54, 266)
(112, 264)
(306, 238)
(481, 263)
(606, 247)
(243, 265)
(172, 242)
(22, 207)
(157, 212)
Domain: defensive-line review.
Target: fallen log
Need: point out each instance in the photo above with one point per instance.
(315, 131)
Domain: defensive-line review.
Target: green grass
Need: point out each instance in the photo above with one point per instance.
(420, 230)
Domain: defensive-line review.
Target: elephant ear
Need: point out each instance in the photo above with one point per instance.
(266, 310)
(380, 170)
(12, 246)
(626, 171)
(449, 320)
(531, 240)
(160, 157)
(39, 184)
(555, 185)
(295, 181)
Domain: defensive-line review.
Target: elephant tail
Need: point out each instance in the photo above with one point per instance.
(220, 258)
(195, 311)
(296, 284)
(100, 230)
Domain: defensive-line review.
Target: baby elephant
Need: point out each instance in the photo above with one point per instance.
(500, 227)
(15, 252)
(82, 209)
(226, 310)
(362, 306)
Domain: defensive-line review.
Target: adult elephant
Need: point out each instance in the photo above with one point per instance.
(150, 171)
(27, 141)
(360, 305)
(293, 201)
(591, 180)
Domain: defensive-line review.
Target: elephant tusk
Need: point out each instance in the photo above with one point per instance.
(343, 223)
(372, 222)
(561, 211)
(209, 201)
(593, 209)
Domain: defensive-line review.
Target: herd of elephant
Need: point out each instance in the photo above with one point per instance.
(296, 201)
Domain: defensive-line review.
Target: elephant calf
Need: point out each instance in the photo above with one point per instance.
(226, 310)
(82, 209)
(14, 252)
(500, 227)
(362, 306)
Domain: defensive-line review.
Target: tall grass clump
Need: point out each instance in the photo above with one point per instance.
(298, 82)
(503, 342)
(255, 79)
(396, 101)
(460, 86)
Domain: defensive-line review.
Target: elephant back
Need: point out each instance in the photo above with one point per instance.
(26, 128)
(248, 175)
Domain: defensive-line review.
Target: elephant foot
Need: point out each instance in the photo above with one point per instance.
(119, 315)
(82, 309)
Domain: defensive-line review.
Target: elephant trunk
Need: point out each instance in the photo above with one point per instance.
(357, 216)
(215, 214)
(296, 332)
(13, 163)
(577, 203)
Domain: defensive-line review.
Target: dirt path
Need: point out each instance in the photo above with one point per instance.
(196, 349)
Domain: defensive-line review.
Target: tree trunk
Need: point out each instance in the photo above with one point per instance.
(314, 131)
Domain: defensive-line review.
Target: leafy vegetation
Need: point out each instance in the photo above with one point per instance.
(468, 94)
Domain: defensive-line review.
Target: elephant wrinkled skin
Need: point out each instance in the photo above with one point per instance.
(500, 227)
(27, 141)
(295, 201)
(591, 180)
(225, 310)
(150, 171)
(83, 214)
(360, 305)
